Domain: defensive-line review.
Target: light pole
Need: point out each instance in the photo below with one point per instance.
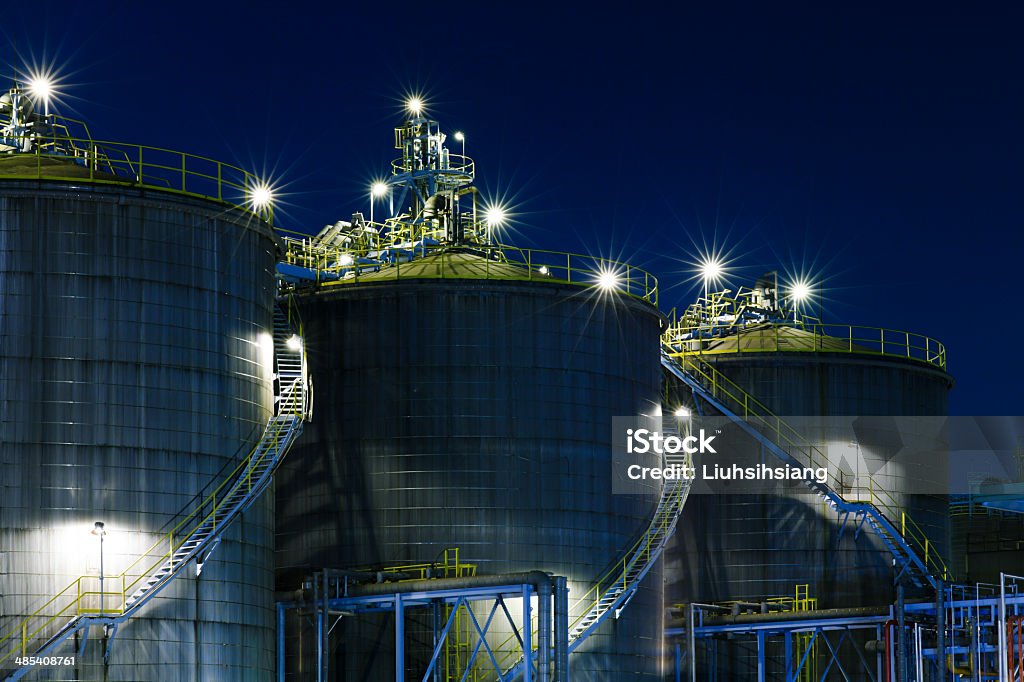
(710, 271)
(494, 218)
(799, 292)
(461, 137)
(41, 87)
(98, 529)
(377, 190)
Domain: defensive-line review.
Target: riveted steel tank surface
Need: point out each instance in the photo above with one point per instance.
(132, 373)
(471, 414)
(752, 547)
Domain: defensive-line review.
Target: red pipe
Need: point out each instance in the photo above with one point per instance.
(1020, 647)
(890, 627)
(1015, 626)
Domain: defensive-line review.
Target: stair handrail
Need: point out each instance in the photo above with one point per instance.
(286, 425)
(785, 435)
(661, 526)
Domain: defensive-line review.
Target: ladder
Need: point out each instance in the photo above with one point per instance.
(913, 555)
(193, 538)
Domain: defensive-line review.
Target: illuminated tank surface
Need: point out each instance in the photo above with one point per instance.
(130, 376)
(471, 414)
(755, 546)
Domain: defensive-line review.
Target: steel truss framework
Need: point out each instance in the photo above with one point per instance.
(982, 638)
(542, 646)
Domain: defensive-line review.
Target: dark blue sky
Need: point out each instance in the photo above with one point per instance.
(878, 150)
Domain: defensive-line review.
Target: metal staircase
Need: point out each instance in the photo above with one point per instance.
(193, 538)
(913, 556)
(612, 592)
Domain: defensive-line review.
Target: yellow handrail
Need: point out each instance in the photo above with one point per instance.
(777, 337)
(789, 439)
(173, 540)
(498, 262)
(119, 163)
(617, 572)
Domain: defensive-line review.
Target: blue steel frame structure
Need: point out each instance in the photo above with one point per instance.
(547, 663)
(975, 629)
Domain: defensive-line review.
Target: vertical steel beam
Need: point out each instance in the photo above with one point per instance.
(544, 632)
(561, 628)
(1004, 673)
(326, 627)
(436, 606)
(902, 669)
(693, 642)
(940, 628)
(280, 642)
(879, 662)
(399, 639)
(790, 674)
(527, 636)
(679, 662)
(319, 631)
(761, 676)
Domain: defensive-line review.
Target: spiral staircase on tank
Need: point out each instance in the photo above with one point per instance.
(613, 591)
(914, 559)
(79, 606)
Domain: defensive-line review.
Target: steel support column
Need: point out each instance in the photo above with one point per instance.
(561, 628)
(544, 632)
(760, 656)
(399, 639)
(902, 670)
(527, 636)
(788, 643)
(940, 629)
(280, 641)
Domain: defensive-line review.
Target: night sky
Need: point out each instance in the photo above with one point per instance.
(878, 152)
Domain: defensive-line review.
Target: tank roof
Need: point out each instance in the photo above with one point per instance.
(454, 265)
(770, 338)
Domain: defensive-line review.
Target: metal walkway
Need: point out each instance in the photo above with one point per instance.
(78, 607)
(915, 558)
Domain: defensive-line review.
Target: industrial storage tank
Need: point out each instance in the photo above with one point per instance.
(465, 396)
(752, 547)
(135, 310)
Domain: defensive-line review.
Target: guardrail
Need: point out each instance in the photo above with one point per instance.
(57, 157)
(493, 262)
(457, 163)
(821, 338)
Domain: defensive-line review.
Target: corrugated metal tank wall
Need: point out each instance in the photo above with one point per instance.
(751, 547)
(477, 415)
(130, 375)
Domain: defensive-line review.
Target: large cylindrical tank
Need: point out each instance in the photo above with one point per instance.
(133, 328)
(474, 414)
(751, 547)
